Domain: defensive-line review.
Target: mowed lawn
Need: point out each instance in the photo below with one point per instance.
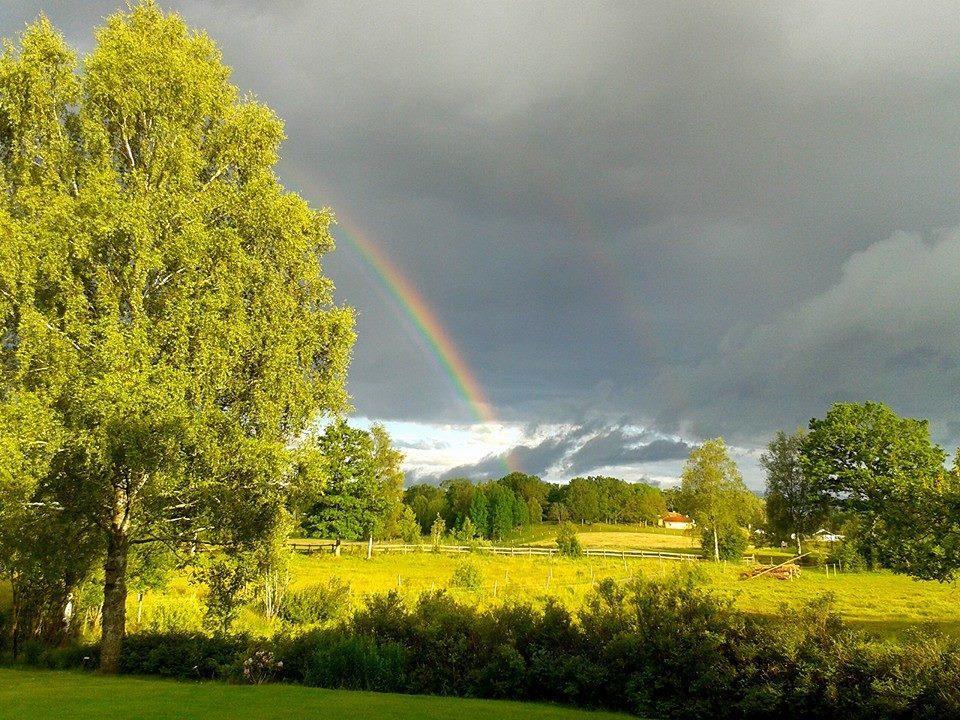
(40, 694)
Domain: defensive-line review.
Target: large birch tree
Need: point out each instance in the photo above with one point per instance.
(162, 299)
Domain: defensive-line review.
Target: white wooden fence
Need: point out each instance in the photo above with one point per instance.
(517, 551)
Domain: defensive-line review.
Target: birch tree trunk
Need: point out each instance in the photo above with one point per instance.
(115, 588)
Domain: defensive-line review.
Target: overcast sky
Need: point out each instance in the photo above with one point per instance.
(642, 224)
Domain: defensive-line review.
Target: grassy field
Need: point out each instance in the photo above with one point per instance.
(629, 535)
(29, 695)
(878, 601)
(632, 540)
(636, 537)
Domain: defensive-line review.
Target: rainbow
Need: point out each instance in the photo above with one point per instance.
(428, 326)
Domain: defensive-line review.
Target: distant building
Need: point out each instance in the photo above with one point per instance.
(827, 536)
(675, 521)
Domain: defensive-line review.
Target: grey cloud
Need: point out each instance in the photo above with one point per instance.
(888, 329)
(578, 450)
(662, 214)
(621, 448)
(535, 459)
(421, 444)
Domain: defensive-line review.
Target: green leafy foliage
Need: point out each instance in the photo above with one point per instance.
(885, 471)
(480, 513)
(354, 504)
(409, 528)
(226, 578)
(168, 325)
(795, 506)
(496, 508)
(568, 543)
(713, 494)
(389, 478)
(501, 518)
(466, 532)
(466, 575)
(316, 604)
(436, 532)
(731, 542)
(427, 502)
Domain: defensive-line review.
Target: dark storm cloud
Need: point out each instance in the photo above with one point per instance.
(533, 459)
(618, 447)
(710, 219)
(576, 450)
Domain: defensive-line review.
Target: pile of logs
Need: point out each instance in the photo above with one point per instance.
(784, 571)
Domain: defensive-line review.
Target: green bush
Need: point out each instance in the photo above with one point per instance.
(317, 603)
(66, 657)
(847, 557)
(466, 575)
(814, 555)
(356, 663)
(183, 655)
(409, 527)
(665, 649)
(731, 540)
(567, 541)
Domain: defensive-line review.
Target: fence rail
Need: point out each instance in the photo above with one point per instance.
(517, 551)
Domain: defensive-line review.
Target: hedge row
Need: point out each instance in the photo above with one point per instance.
(657, 649)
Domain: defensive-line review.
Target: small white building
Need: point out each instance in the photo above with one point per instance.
(675, 521)
(827, 536)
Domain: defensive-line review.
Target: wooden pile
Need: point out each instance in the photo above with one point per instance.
(785, 571)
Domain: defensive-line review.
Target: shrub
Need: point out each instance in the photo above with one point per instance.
(567, 541)
(814, 555)
(227, 579)
(436, 532)
(731, 540)
(467, 576)
(467, 532)
(317, 603)
(409, 527)
(847, 557)
(666, 649)
(261, 667)
(183, 655)
(354, 662)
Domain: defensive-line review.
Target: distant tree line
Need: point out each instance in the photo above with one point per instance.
(492, 509)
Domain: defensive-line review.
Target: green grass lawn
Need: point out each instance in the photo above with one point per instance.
(39, 694)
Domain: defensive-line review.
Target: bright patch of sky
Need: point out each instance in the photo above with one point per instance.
(431, 449)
